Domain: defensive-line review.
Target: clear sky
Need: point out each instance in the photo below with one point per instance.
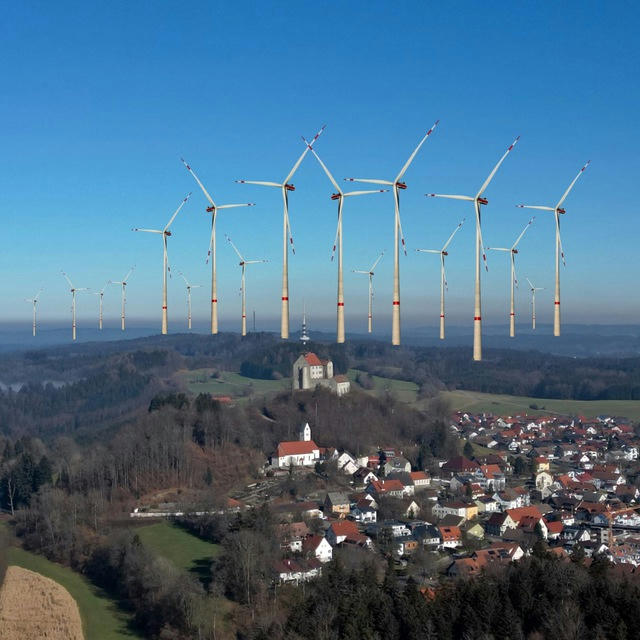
(100, 100)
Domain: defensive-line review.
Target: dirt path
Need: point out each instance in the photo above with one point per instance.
(33, 607)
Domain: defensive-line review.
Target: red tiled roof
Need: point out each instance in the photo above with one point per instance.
(520, 512)
(418, 475)
(450, 533)
(312, 359)
(345, 528)
(296, 448)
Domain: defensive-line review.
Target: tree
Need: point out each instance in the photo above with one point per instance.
(468, 449)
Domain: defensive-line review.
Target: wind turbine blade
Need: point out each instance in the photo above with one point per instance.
(173, 217)
(495, 169)
(67, 279)
(261, 182)
(255, 261)
(446, 244)
(293, 248)
(404, 246)
(335, 240)
(444, 195)
(484, 253)
(530, 284)
(566, 193)
(302, 155)
(530, 206)
(415, 151)
(193, 173)
(354, 271)
(324, 167)
(128, 274)
(234, 248)
(233, 206)
(523, 232)
(147, 230)
(362, 193)
(184, 278)
(560, 241)
(375, 264)
(210, 245)
(428, 251)
(369, 181)
(515, 276)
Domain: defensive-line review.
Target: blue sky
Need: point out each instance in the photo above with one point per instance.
(100, 101)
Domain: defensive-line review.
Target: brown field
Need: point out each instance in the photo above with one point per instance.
(34, 607)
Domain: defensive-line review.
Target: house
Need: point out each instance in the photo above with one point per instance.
(292, 534)
(296, 571)
(317, 547)
(336, 502)
(498, 523)
(363, 512)
(412, 510)
(363, 476)
(451, 537)
(420, 479)
(486, 504)
(456, 508)
(529, 519)
(491, 477)
(405, 545)
(476, 531)
(427, 534)
(297, 453)
(347, 463)
(346, 532)
(498, 553)
(397, 464)
(309, 372)
(381, 488)
(459, 464)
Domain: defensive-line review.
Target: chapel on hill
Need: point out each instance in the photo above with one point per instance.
(309, 372)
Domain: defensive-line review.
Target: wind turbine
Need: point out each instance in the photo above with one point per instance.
(101, 294)
(514, 280)
(397, 231)
(213, 210)
(243, 290)
(533, 302)
(123, 284)
(557, 211)
(286, 233)
(165, 233)
(340, 196)
(73, 290)
(370, 273)
(34, 301)
(443, 279)
(478, 200)
(189, 287)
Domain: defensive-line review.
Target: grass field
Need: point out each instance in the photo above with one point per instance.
(401, 389)
(229, 384)
(183, 549)
(509, 405)
(101, 617)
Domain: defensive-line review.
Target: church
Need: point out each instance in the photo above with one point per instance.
(309, 372)
(297, 453)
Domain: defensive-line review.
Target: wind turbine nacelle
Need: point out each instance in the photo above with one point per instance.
(445, 253)
(401, 185)
(289, 187)
(335, 196)
(210, 209)
(241, 264)
(167, 233)
(561, 211)
(483, 201)
(514, 251)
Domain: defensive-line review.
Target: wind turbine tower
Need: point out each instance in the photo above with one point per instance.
(123, 295)
(513, 279)
(557, 212)
(213, 209)
(339, 196)
(285, 187)
(243, 289)
(165, 233)
(370, 273)
(34, 302)
(478, 200)
(101, 296)
(533, 302)
(189, 287)
(443, 278)
(73, 290)
(397, 184)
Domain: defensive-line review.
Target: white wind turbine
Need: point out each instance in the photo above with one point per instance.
(189, 287)
(34, 302)
(513, 278)
(397, 231)
(101, 296)
(286, 233)
(533, 302)
(213, 210)
(243, 289)
(73, 290)
(478, 200)
(443, 278)
(123, 295)
(370, 273)
(165, 233)
(340, 196)
(557, 210)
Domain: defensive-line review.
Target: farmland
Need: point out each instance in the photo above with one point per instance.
(229, 383)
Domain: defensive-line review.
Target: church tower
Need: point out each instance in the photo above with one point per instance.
(305, 433)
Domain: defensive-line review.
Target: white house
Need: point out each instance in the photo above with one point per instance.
(318, 547)
(297, 453)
